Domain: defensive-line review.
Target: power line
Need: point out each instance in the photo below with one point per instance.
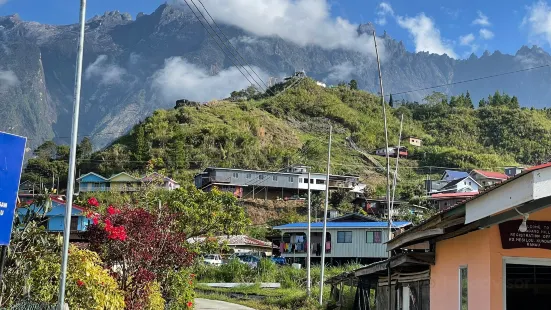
(217, 43)
(237, 52)
(470, 80)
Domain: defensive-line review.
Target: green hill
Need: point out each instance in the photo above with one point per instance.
(292, 128)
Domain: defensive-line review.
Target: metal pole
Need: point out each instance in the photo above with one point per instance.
(389, 218)
(72, 160)
(308, 243)
(324, 237)
(396, 168)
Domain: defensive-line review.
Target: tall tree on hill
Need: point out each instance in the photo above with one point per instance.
(469, 100)
(391, 101)
(353, 84)
(141, 145)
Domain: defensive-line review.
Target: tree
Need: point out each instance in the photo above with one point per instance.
(88, 283)
(206, 213)
(141, 153)
(436, 98)
(391, 101)
(469, 102)
(84, 149)
(353, 85)
(145, 246)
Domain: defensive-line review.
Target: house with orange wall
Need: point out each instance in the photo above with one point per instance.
(489, 252)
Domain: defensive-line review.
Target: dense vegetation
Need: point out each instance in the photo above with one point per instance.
(272, 132)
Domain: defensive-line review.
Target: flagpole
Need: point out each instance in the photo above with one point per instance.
(72, 160)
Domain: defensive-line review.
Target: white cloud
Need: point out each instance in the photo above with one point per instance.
(481, 20)
(383, 10)
(486, 34)
(3, 2)
(303, 22)
(106, 72)
(7, 79)
(180, 79)
(340, 72)
(466, 39)
(538, 19)
(425, 35)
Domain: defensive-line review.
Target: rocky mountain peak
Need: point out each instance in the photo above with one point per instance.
(10, 21)
(366, 28)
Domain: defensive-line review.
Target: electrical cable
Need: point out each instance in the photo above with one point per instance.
(237, 52)
(221, 48)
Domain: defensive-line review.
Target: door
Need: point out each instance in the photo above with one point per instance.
(527, 283)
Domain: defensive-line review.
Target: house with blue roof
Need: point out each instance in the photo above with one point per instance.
(350, 238)
(55, 215)
(452, 175)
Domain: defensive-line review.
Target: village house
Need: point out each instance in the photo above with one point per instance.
(123, 182)
(240, 244)
(413, 141)
(288, 184)
(442, 201)
(392, 151)
(488, 178)
(350, 238)
(488, 252)
(467, 184)
(55, 216)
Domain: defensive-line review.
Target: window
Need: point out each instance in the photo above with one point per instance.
(291, 179)
(373, 236)
(249, 176)
(470, 183)
(74, 223)
(236, 175)
(274, 177)
(344, 237)
(311, 181)
(320, 181)
(261, 177)
(463, 288)
(305, 180)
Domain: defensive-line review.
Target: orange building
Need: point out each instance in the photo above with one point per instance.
(490, 252)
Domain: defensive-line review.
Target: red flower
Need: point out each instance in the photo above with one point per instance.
(189, 304)
(112, 211)
(80, 283)
(190, 282)
(95, 220)
(192, 275)
(93, 202)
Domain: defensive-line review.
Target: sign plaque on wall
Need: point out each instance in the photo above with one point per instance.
(538, 235)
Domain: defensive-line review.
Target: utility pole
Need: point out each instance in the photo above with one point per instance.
(396, 168)
(308, 243)
(324, 236)
(72, 161)
(387, 171)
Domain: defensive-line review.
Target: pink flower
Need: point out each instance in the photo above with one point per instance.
(95, 220)
(93, 202)
(189, 304)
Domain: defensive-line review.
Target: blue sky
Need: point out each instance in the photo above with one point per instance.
(454, 27)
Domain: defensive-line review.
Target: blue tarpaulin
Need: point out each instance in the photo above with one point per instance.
(12, 151)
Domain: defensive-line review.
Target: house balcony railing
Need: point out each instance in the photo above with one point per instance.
(112, 189)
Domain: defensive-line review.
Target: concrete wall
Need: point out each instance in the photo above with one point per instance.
(482, 253)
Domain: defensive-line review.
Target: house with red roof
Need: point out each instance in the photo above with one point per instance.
(488, 178)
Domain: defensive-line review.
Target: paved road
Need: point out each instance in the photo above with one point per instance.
(208, 304)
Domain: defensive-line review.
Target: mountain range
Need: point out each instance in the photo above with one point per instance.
(135, 66)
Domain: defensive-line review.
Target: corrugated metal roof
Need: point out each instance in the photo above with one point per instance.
(492, 175)
(343, 225)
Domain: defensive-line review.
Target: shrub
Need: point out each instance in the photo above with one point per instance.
(181, 289)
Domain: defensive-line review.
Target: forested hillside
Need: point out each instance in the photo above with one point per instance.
(292, 128)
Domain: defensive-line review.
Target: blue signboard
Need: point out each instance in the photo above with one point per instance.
(12, 151)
